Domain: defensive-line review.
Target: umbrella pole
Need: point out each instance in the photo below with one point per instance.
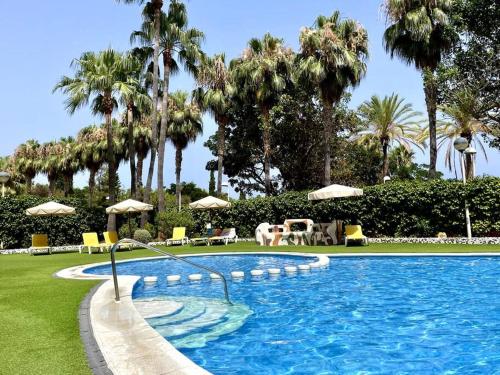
(129, 226)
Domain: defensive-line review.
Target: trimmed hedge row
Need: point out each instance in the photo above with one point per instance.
(400, 209)
(16, 227)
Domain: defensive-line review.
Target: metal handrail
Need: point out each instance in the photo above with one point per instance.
(126, 240)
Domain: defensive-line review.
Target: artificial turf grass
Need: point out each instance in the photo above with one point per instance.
(39, 332)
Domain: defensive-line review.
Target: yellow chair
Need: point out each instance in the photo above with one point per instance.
(39, 242)
(178, 236)
(91, 241)
(110, 238)
(353, 233)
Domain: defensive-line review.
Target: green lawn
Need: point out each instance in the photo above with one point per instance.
(39, 331)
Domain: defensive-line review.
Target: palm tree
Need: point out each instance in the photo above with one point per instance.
(262, 73)
(152, 14)
(387, 121)
(461, 121)
(214, 93)
(91, 149)
(26, 161)
(69, 162)
(179, 45)
(100, 77)
(48, 159)
(332, 57)
(142, 145)
(184, 126)
(419, 34)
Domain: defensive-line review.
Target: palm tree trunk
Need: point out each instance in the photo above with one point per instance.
(140, 166)
(154, 122)
(67, 183)
(91, 185)
(327, 137)
(430, 90)
(131, 151)
(111, 171)
(52, 184)
(220, 153)
(178, 167)
(29, 184)
(385, 164)
(163, 131)
(266, 137)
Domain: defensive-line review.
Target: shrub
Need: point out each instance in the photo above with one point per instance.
(405, 208)
(16, 227)
(151, 229)
(167, 220)
(142, 235)
(124, 231)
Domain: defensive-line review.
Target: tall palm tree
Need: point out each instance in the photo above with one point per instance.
(214, 94)
(387, 121)
(262, 73)
(179, 45)
(332, 57)
(100, 78)
(419, 34)
(152, 15)
(69, 162)
(461, 121)
(184, 126)
(26, 161)
(91, 148)
(138, 103)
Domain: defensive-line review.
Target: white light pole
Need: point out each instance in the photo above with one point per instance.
(461, 145)
(4, 178)
(387, 179)
(225, 186)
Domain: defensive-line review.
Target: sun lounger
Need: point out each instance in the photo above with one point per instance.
(353, 233)
(178, 237)
(91, 241)
(202, 240)
(110, 238)
(39, 243)
(227, 235)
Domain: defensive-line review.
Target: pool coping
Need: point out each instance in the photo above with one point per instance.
(128, 343)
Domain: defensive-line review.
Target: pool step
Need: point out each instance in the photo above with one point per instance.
(199, 321)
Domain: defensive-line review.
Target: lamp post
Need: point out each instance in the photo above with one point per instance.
(462, 145)
(387, 179)
(225, 186)
(4, 178)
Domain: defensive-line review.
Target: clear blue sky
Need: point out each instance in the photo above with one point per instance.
(39, 40)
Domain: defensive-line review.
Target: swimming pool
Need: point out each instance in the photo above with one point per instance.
(425, 315)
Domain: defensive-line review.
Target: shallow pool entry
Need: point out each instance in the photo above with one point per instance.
(425, 315)
(196, 321)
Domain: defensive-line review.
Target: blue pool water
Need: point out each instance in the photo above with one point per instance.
(362, 315)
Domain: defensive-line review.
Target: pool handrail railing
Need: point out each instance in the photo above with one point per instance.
(164, 253)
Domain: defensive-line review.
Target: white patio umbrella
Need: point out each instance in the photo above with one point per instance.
(50, 209)
(209, 203)
(334, 191)
(127, 207)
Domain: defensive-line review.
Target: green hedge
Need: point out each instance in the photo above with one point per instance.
(401, 209)
(16, 227)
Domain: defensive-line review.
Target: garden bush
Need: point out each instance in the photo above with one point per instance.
(142, 235)
(16, 227)
(406, 208)
(167, 220)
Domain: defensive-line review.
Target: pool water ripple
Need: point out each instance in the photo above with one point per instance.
(362, 315)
